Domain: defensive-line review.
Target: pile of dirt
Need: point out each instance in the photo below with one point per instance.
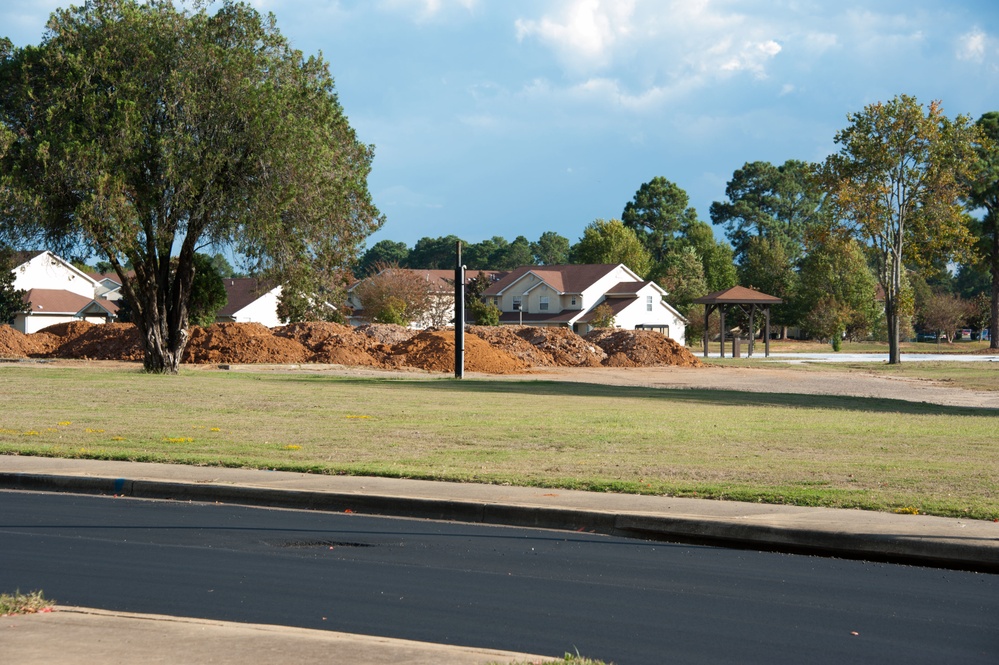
(506, 338)
(388, 334)
(15, 344)
(495, 350)
(110, 341)
(242, 343)
(433, 350)
(335, 344)
(566, 348)
(641, 348)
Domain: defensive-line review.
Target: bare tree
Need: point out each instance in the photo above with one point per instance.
(396, 295)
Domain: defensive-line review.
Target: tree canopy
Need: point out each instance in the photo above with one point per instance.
(774, 202)
(140, 131)
(657, 214)
(897, 182)
(12, 301)
(984, 195)
(610, 241)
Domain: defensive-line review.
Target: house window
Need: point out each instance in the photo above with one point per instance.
(543, 303)
(574, 301)
(516, 303)
(648, 303)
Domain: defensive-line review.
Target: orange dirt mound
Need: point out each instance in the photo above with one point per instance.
(388, 334)
(69, 330)
(109, 341)
(15, 344)
(566, 348)
(335, 343)
(506, 338)
(434, 351)
(241, 343)
(641, 348)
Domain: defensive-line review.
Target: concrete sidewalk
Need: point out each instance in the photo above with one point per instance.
(74, 635)
(916, 539)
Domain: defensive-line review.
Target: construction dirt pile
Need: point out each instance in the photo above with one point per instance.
(433, 350)
(641, 348)
(498, 350)
(333, 343)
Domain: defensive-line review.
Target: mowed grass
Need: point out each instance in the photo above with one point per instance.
(802, 449)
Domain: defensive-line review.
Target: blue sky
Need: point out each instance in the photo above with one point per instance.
(515, 117)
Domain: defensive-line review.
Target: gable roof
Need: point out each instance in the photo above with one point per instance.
(55, 259)
(738, 295)
(241, 291)
(441, 280)
(570, 278)
(56, 301)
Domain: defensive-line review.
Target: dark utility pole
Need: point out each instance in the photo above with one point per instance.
(459, 315)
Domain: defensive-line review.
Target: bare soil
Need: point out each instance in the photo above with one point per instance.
(612, 357)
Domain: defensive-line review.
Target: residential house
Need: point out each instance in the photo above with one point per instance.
(59, 292)
(250, 302)
(441, 285)
(567, 295)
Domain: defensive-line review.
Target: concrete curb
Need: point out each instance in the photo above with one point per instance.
(973, 554)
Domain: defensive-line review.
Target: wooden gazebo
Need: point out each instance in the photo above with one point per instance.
(749, 302)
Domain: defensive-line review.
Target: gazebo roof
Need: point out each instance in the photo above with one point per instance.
(738, 295)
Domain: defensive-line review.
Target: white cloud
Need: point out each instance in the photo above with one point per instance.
(584, 33)
(973, 46)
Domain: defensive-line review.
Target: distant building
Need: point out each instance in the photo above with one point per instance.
(250, 302)
(59, 292)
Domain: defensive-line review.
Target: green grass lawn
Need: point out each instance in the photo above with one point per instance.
(802, 449)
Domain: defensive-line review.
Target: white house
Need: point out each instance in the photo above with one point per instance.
(59, 292)
(250, 302)
(567, 295)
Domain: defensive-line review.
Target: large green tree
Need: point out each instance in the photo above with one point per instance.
(766, 267)
(837, 292)
(437, 253)
(550, 249)
(610, 241)
(143, 131)
(775, 202)
(657, 214)
(985, 195)
(383, 252)
(897, 182)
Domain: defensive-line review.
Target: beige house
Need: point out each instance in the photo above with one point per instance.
(567, 295)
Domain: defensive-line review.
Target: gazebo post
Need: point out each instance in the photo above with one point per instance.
(721, 311)
(707, 313)
(752, 328)
(766, 342)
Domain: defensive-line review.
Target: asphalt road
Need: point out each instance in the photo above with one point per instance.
(536, 591)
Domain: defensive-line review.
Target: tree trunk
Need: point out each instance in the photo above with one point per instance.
(891, 314)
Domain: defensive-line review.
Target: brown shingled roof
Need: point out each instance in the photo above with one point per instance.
(738, 295)
(572, 278)
(56, 301)
(241, 291)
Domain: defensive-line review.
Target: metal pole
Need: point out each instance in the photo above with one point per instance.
(459, 315)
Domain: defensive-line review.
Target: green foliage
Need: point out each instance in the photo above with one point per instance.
(208, 294)
(896, 183)
(682, 275)
(551, 249)
(837, 292)
(484, 314)
(984, 195)
(222, 266)
(12, 301)
(383, 252)
(943, 313)
(775, 202)
(602, 316)
(611, 242)
(767, 267)
(437, 253)
(295, 306)
(144, 129)
(657, 214)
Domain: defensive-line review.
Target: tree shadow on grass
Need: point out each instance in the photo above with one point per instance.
(701, 396)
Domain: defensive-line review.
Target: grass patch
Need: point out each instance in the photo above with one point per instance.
(813, 450)
(24, 603)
